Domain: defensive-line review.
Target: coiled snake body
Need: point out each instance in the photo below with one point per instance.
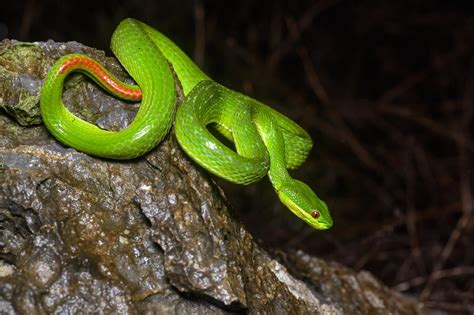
(266, 142)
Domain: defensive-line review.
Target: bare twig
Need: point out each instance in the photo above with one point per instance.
(301, 25)
(312, 76)
(467, 205)
(200, 33)
(414, 79)
(27, 20)
(451, 307)
(342, 131)
(410, 217)
(440, 274)
(428, 123)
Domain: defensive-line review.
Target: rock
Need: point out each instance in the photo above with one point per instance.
(150, 235)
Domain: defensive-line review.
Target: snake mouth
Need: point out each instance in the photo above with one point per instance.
(324, 225)
(322, 222)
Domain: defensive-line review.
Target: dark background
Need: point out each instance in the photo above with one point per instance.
(384, 87)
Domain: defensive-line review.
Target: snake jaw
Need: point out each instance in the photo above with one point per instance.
(303, 202)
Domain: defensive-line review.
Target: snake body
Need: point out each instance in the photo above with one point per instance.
(266, 142)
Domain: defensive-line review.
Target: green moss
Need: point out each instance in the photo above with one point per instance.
(20, 80)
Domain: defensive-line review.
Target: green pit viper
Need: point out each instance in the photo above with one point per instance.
(266, 142)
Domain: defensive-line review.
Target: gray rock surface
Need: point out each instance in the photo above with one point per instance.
(153, 235)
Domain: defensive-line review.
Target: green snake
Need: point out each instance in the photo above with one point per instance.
(266, 142)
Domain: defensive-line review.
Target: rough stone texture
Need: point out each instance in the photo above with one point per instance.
(153, 235)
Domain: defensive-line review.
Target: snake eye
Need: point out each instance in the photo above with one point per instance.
(315, 214)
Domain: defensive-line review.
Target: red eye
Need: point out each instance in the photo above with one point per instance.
(315, 214)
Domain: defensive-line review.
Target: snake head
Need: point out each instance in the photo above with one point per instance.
(303, 202)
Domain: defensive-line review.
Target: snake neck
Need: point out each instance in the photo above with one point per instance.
(272, 136)
(278, 174)
(279, 179)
